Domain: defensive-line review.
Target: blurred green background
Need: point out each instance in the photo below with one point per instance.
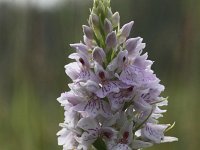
(34, 45)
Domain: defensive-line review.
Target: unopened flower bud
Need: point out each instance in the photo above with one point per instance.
(88, 32)
(101, 7)
(115, 19)
(111, 40)
(107, 26)
(98, 55)
(109, 13)
(126, 29)
(94, 19)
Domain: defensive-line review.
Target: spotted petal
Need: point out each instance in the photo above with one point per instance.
(77, 73)
(106, 88)
(67, 98)
(108, 133)
(121, 147)
(88, 124)
(66, 138)
(94, 108)
(91, 128)
(71, 118)
(137, 144)
(117, 100)
(151, 95)
(87, 138)
(154, 132)
(133, 75)
(81, 59)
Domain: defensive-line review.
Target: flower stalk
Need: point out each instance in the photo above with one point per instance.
(114, 99)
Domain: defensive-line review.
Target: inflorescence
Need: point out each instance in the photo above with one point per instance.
(114, 100)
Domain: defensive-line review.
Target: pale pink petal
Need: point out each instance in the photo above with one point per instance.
(154, 132)
(169, 139)
(106, 88)
(138, 144)
(133, 75)
(94, 108)
(72, 70)
(88, 124)
(126, 29)
(142, 62)
(121, 147)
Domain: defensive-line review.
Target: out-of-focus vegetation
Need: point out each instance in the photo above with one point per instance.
(34, 45)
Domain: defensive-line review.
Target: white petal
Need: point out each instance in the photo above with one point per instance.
(87, 138)
(137, 144)
(66, 138)
(142, 62)
(154, 132)
(107, 87)
(72, 70)
(62, 136)
(94, 108)
(159, 111)
(141, 105)
(90, 85)
(169, 139)
(133, 75)
(121, 147)
(80, 47)
(71, 118)
(88, 123)
(111, 121)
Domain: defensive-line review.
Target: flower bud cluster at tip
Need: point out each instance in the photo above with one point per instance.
(114, 99)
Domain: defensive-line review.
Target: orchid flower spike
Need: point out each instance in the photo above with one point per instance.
(114, 99)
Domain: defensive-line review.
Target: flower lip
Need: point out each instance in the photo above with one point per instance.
(107, 134)
(125, 135)
(102, 75)
(124, 59)
(82, 61)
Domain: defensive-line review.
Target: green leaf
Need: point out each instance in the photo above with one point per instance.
(99, 144)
